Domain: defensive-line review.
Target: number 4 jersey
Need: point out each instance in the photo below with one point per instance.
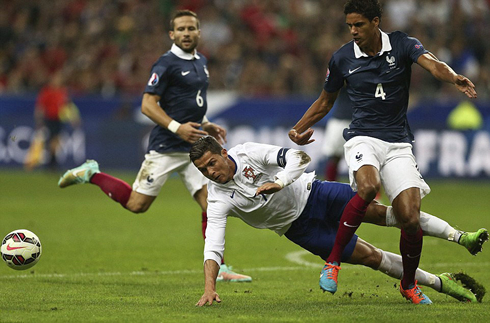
(181, 80)
(378, 86)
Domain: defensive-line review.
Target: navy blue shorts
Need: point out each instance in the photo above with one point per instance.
(317, 226)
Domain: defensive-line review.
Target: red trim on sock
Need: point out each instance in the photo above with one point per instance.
(353, 213)
(115, 188)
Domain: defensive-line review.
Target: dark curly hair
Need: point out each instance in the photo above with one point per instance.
(368, 8)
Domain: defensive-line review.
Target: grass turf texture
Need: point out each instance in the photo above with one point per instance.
(103, 263)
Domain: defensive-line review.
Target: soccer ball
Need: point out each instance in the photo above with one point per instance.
(21, 249)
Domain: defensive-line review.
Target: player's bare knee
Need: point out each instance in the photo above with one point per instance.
(368, 190)
(410, 222)
(137, 207)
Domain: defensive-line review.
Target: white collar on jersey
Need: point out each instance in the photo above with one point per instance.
(385, 46)
(183, 55)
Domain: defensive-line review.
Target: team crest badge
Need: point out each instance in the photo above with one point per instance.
(249, 173)
(153, 79)
(391, 60)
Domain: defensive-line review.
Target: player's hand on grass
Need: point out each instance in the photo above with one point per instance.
(190, 132)
(208, 297)
(268, 188)
(219, 133)
(301, 139)
(466, 86)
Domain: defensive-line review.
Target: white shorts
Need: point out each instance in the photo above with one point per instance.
(156, 168)
(394, 161)
(333, 142)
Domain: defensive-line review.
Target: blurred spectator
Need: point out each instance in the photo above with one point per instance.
(255, 47)
(53, 108)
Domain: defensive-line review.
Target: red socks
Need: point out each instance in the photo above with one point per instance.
(349, 222)
(115, 188)
(410, 248)
(331, 171)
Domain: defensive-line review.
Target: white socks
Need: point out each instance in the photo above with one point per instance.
(431, 225)
(391, 264)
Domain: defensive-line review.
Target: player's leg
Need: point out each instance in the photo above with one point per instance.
(195, 183)
(391, 265)
(316, 228)
(432, 226)
(333, 146)
(368, 184)
(363, 172)
(405, 189)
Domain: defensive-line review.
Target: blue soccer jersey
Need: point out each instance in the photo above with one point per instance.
(378, 86)
(181, 80)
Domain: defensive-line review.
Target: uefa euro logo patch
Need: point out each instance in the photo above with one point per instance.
(153, 79)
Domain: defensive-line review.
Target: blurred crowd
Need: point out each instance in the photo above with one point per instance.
(254, 47)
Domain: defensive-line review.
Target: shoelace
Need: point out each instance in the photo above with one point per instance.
(415, 292)
(331, 273)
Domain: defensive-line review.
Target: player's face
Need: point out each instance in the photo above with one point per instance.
(215, 167)
(362, 29)
(186, 33)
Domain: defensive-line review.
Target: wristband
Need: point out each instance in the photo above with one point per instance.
(204, 120)
(279, 182)
(173, 126)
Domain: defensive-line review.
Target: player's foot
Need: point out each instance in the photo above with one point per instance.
(473, 241)
(414, 294)
(328, 277)
(225, 274)
(451, 287)
(79, 175)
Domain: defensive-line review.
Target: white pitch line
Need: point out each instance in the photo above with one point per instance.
(294, 257)
(297, 258)
(138, 273)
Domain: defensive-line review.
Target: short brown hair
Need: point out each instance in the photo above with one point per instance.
(203, 145)
(182, 13)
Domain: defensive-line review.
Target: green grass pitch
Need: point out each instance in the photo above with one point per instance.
(101, 263)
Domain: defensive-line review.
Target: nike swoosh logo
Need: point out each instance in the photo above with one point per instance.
(185, 73)
(352, 71)
(232, 194)
(350, 226)
(13, 248)
(77, 172)
(413, 256)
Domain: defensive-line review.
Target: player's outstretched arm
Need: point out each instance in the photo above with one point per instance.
(211, 269)
(445, 73)
(301, 132)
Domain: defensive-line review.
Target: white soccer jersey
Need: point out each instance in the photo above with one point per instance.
(257, 164)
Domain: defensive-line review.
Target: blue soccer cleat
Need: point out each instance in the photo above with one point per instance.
(328, 277)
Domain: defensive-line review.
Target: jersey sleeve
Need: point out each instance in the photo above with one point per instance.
(294, 162)
(414, 48)
(157, 83)
(334, 80)
(214, 245)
